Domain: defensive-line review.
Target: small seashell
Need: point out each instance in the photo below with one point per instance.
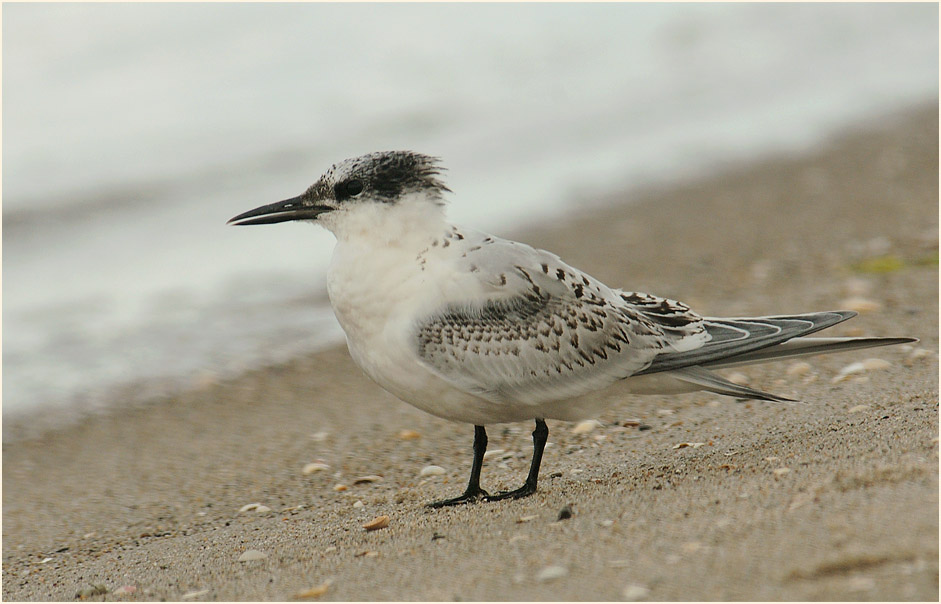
(340, 487)
(249, 507)
(251, 555)
(664, 412)
(860, 367)
(262, 509)
(586, 426)
(375, 524)
(313, 592)
(779, 472)
(194, 594)
(523, 519)
(552, 572)
(684, 445)
(366, 554)
(860, 305)
(367, 479)
(432, 471)
(359, 504)
(493, 453)
(858, 408)
(408, 435)
(311, 468)
(799, 368)
(125, 590)
(632, 593)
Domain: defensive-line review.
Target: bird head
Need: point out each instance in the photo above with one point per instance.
(365, 187)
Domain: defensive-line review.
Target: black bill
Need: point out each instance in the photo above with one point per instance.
(296, 208)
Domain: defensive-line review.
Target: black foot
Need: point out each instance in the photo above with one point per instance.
(524, 491)
(469, 496)
(473, 493)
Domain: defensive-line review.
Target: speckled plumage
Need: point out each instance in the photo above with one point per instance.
(478, 329)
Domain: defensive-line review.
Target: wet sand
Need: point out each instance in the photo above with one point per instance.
(693, 497)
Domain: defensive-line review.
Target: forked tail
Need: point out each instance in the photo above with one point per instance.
(744, 341)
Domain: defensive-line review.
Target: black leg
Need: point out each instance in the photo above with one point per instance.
(473, 491)
(540, 436)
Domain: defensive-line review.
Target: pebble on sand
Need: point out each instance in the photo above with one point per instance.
(250, 555)
(779, 472)
(634, 592)
(552, 572)
(857, 286)
(586, 426)
(432, 471)
(860, 305)
(375, 524)
(917, 354)
(311, 468)
(408, 434)
(256, 507)
(799, 368)
(359, 504)
(94, 590)
(367, 479)
(313, 592)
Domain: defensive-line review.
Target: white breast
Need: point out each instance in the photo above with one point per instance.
(377, 295)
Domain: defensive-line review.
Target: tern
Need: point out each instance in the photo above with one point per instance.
(478, 329)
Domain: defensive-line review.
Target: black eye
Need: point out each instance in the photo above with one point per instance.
(353, 187)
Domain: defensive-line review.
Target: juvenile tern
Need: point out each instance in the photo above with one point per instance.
(478, 329)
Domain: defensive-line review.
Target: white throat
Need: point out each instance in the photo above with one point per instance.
(413, 217)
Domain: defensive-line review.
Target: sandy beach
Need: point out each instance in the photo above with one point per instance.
(693, 497)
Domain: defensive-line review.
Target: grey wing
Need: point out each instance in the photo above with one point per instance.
(542, 330)
(731, 339)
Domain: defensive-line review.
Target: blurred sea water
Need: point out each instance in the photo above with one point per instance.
(132, 132)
